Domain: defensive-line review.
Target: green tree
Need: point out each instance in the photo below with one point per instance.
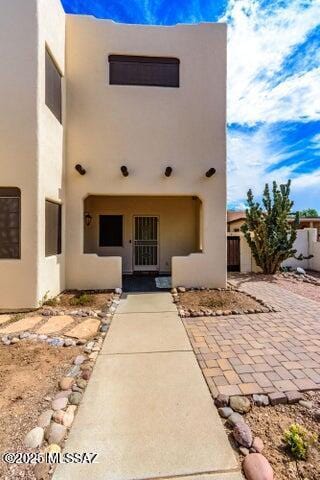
(267, 230)
(309, 212)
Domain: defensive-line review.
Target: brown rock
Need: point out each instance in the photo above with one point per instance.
(58, 416)
(66, 383)
(56, 433)
(257, 445)
(240, 404)
(221, 401)
(257, 467)
(86, 374)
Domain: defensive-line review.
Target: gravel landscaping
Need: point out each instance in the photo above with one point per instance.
(29, 374)
(199, 302)
(256, 428)
(47, 358)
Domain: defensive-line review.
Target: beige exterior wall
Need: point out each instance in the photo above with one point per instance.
(18, 143)
(51, 33)
(177, 227)
(30, 143)
(147, 129)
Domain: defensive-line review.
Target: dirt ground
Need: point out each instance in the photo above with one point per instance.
(70, 300)
(29, 372)
(217, 300)
(294, 285)
(269, 424)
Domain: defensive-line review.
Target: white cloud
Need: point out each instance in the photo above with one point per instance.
(253, 161)
(259, 41)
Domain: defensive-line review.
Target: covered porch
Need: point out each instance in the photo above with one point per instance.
(145, 231)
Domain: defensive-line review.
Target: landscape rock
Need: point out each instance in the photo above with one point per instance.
(34, 438)
(24, 335)
(181, 289)
(69, 342)
(56, 342)
(104, 328)
(59, 403)
(15, 340)
(306, 404)
(45, 418)
(260, 400)
(245, 451)
(68, 417)
(257, 445)
(234, 419)
(225, 412)
(66, 383)
(277, 398)
(81, 383)
(221, 400)
(53, 448)
(41, 471)
(75, 398)
(317, 415)
(62, 394)
(257, 467)
(240, 404)
(301, 271)
(58, 416)
(74, 371)
(56, 433)
(242, 434)
(86, 374)
(294, 397)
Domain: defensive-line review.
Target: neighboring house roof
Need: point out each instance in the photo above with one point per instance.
(233, 216)
(306, 219)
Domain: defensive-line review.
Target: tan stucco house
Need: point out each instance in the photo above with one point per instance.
(112, 152)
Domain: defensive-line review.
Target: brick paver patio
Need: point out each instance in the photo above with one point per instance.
(260, 353)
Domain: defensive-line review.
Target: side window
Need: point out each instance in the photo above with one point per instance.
(53, 87)
(10, 212)
(53, 228)
(111, 231)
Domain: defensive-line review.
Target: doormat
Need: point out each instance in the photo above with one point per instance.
(163, 282)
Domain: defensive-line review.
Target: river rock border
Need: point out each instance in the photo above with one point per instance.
(233, 409)
(55, 422)
(207, 312)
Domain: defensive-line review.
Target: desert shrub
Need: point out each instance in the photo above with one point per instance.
(82, 299)
(298, 439)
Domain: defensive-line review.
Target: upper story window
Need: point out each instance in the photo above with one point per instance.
(148, 71)
(53, 87)
(10, 222)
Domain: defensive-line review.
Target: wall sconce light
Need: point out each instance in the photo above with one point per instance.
(168, 171)
(124, 171)
(80, 169)
(87, 218)
(210, 172)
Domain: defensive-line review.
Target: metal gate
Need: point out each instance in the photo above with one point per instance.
(233, 248)
(145, 244)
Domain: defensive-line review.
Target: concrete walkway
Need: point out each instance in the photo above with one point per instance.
(147, 410)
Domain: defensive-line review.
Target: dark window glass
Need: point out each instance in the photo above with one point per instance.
(53, 87)
(53, 228)
(10, 205)
(110, 231)
(149, 71)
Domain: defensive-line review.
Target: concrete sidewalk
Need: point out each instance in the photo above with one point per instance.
(147, 410)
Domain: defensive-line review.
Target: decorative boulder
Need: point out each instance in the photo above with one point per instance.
(34, 438)
(240, 404)
(257, 467)
(257, 445)
(221, 400)
(242, 434)
(234, 419)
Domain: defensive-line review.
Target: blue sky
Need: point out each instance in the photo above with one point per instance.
(273, 84)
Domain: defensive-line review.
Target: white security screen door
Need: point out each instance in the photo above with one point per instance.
(145, 243)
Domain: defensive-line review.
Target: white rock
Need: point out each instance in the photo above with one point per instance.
(34, 438)
(301, 271)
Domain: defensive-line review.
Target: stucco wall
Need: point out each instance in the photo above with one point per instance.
(18, 143)
(178, 229)
(306, 243)
(51, 270)
(147, 129)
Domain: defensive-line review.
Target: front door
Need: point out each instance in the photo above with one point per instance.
(145, 243)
